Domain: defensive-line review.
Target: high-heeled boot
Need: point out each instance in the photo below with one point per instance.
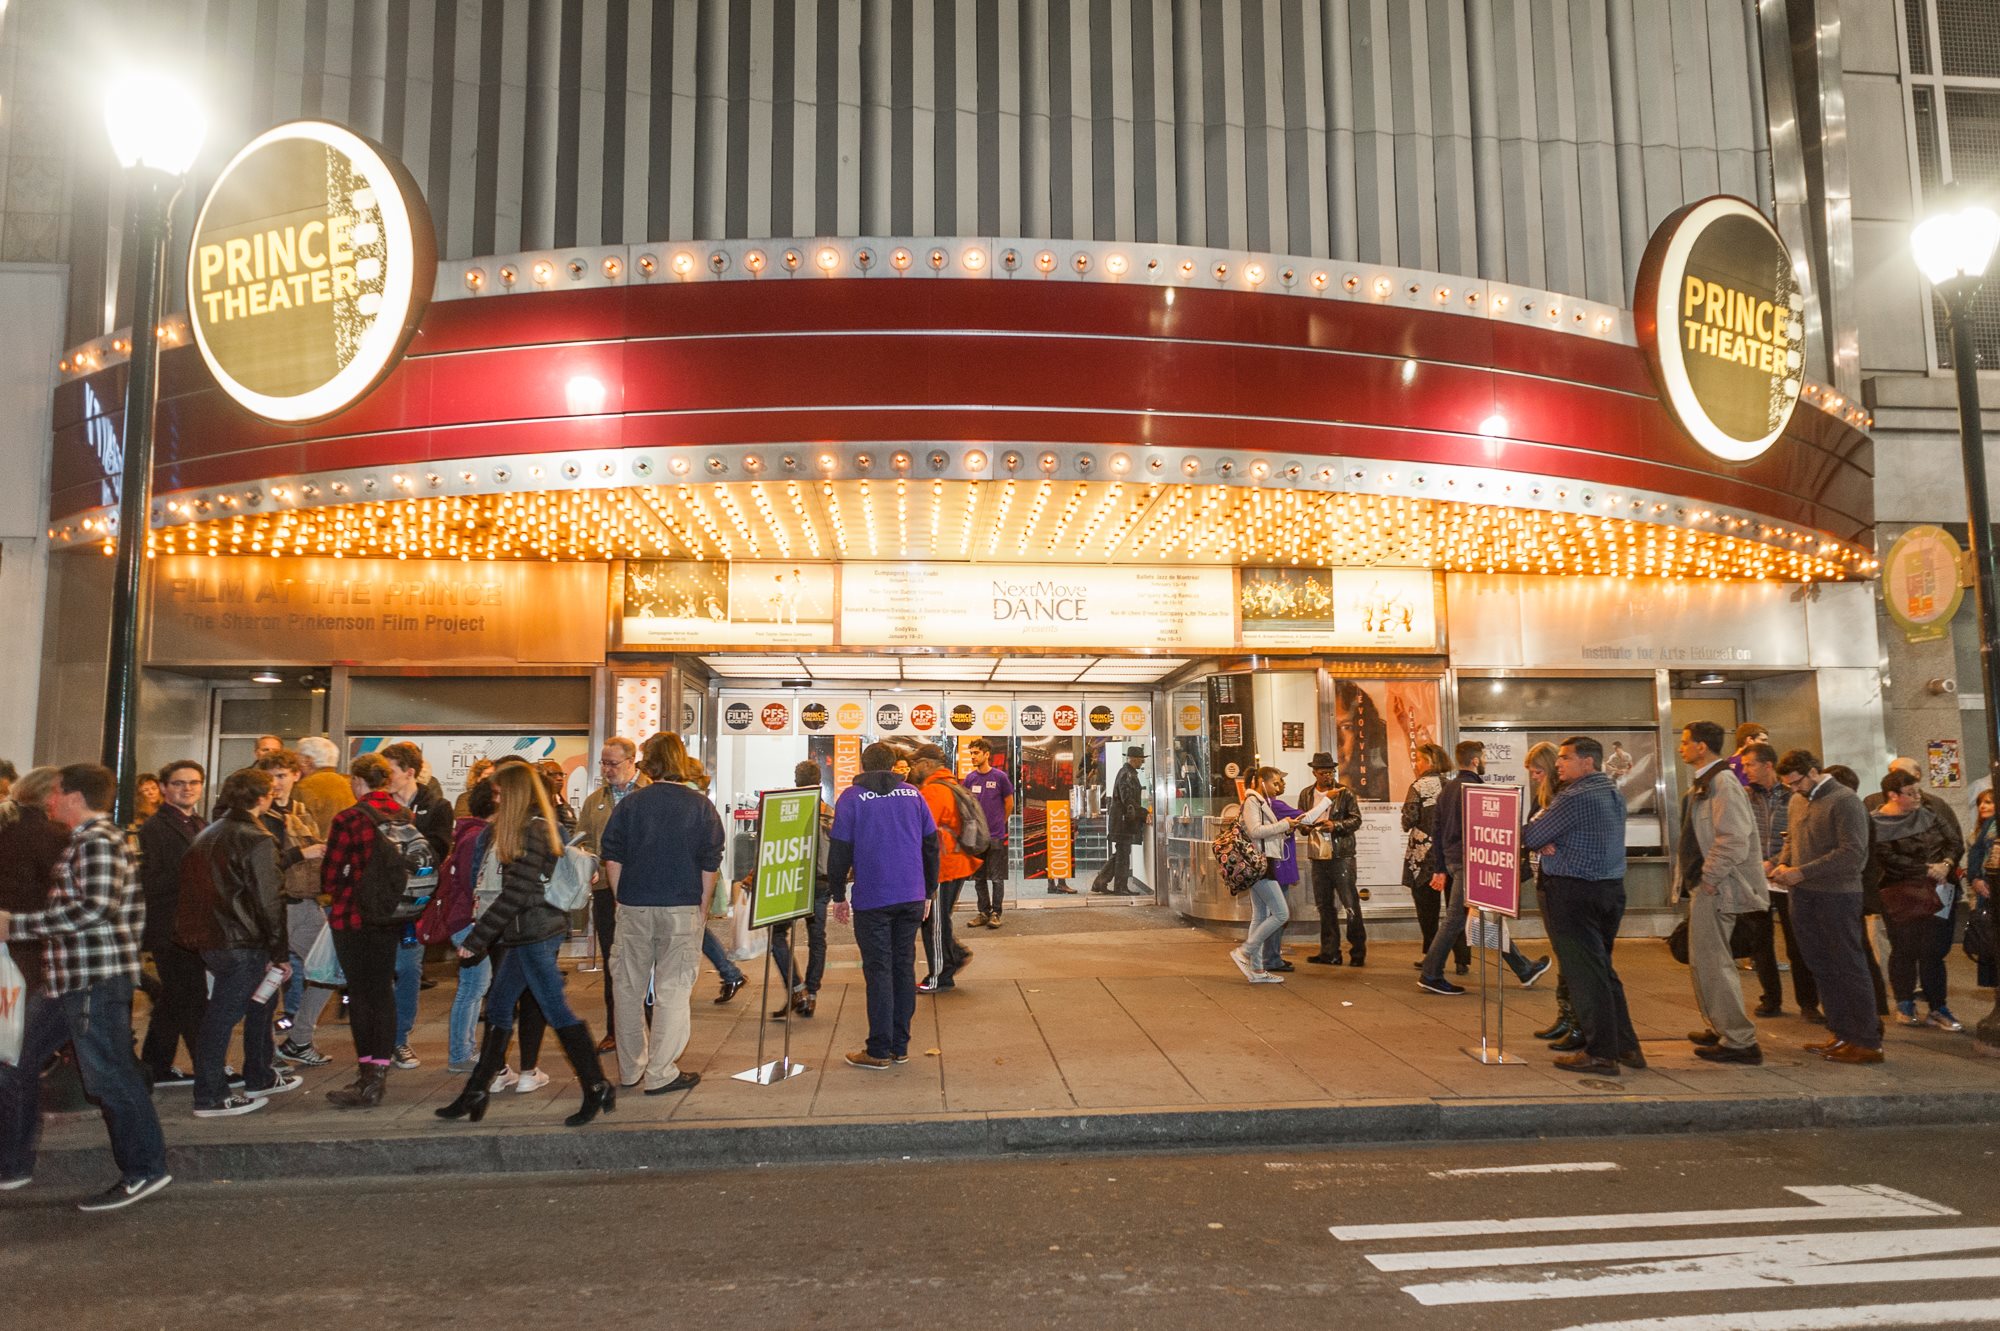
(471, 1102)
(1562, 1026)
(599, 1095)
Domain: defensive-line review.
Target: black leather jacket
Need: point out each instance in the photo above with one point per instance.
(229, 889)
(521, 914)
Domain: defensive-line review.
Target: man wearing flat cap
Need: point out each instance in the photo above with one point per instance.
(1331, 854)
(1129, 816)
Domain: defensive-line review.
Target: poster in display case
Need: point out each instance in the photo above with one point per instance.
(1631, 760)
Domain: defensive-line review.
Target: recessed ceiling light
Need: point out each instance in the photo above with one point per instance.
(267, 677)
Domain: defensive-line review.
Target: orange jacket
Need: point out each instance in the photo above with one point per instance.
(953, 863)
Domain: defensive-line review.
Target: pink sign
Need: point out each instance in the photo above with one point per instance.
(1493, 848)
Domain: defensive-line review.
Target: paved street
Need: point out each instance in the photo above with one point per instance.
(1210, 1241)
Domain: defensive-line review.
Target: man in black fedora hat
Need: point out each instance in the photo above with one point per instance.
(1129, 816)
(1330, 850)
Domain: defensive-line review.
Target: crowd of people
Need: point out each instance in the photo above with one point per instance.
(1768, 844)
(301, 883)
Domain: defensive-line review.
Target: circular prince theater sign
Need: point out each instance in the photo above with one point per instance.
(1722, 322)
(312, 263)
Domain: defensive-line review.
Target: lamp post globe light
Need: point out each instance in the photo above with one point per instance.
(1953, 248)
(155, 125)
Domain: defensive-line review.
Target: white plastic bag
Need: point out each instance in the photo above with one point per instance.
(323, 964)
(749, 943)
(13, 1009)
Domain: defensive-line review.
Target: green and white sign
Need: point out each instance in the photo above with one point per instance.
(787, 852)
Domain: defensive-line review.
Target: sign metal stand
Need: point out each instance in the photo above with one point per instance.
(781, 890)
(1492, 870)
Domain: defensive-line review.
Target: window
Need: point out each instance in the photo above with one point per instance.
(1954, 55)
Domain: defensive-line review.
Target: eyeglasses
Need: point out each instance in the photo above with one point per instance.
(194, 784)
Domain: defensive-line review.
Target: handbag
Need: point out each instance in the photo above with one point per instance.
(1979, 933)
(568, 888)
(13, 1009)
(1747, 937)
(323, 963)
(1909, 900)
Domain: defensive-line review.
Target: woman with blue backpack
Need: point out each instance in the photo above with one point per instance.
(525, 934)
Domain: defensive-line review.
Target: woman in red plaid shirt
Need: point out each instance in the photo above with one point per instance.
(367, 952)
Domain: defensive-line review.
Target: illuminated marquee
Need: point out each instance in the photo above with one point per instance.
(1722, 321)
(312, 262)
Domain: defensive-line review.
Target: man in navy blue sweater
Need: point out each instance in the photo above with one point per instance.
(884, 836)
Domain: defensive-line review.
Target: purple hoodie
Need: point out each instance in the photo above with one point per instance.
(883, 831)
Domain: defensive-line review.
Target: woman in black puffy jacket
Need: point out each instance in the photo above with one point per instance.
(525, 934)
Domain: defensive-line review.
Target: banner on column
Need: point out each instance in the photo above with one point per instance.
(1061, 861)
(787, 850)
(846, 762)
(1493, 848)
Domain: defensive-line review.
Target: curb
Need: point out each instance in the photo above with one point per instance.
(610, 1148)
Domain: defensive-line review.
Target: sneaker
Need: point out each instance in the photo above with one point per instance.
(9, 1184)
(306, 1056)
(1243, 963)
(406, 1058)
(927, 985)
(460, 1069)
(173, 1077)
(1943, 1020)
(531, 1080)
(502, 1079)
(287, 1081)
(1265, 977)
(285, 1022)
(993, 920)
(1439, 985)
(124, 1194)
(230, 1108)
(903, 1057)
(978, 922)
(861, 1058)
(1906, 1014)
(1536, 972)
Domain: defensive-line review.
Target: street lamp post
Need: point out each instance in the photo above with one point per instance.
(1954, 248)
(155, 126)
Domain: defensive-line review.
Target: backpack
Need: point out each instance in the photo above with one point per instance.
(1240, 863)
(401, 874)
(974, 837)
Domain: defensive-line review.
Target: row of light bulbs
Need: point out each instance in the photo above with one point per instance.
(1013, 520)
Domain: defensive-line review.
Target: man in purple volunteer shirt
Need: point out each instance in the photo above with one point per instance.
(884, 835)
(995, 792)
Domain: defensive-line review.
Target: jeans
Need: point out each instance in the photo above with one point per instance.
(466, 1002)
(530, 968)
(1334, 892)
(887, 937)
(989, 883)
(409, 983)
(1917, 950)
(718, 958)
(781, 950)
(368, 957)
(1429, 904)
(176, 1016)
(304, 922)
(1828, 925)
(98, 1021)
(1583, 915)
(237, 972)
(1268, 917)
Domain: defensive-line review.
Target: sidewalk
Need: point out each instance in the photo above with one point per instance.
(1079, 1030)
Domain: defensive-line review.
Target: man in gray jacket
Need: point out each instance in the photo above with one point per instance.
(1826, 849)
(1722, 876)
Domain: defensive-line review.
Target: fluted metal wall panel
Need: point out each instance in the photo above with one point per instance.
(1531, 141)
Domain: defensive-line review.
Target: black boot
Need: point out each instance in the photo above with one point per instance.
(1564, 1023)
(366, 1092)
(599, 1095)
(471, 1102)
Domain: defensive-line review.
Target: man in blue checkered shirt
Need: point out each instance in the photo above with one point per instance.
(90, 930)
(1581, 878)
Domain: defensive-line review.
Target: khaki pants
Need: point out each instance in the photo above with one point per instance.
(660, 945)
(1718, 988)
